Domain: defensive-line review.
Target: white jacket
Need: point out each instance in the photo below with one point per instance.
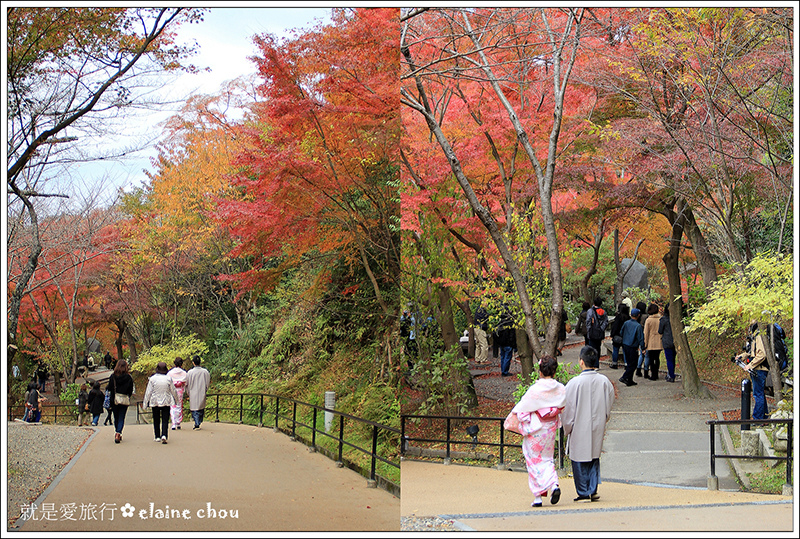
(160, 392)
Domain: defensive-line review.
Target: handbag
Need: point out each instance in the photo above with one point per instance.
(616, 340)
(107, 400)
(121, 399)
(512, 423)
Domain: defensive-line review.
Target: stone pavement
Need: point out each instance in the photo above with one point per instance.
(654, 468)
(201, 478)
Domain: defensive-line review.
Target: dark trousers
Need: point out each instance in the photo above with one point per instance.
(586, 476)
(506, 353)
(654, 357)
(631, 357)
(161, 421)
(669, 355)
(119, 417)
(597, 344)
(759, 379)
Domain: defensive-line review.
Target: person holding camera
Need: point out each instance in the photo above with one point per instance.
(755, 359)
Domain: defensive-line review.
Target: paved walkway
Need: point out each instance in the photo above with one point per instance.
(223, 477)
(654, 468)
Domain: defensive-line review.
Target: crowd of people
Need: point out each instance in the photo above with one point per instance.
(164, 396)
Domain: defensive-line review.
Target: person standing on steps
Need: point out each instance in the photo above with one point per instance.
(665, 330)
(120, 384)
(507, 341)
(652, 341)
(538, 413)
(160, 395)
(632, 342)
(197, 381)
(587, 409)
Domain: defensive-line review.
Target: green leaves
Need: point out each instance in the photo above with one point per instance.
(762, 291)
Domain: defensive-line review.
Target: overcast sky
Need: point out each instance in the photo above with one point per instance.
(225, 43)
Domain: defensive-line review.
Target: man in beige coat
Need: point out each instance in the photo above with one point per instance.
(586, 412)
(197, 382)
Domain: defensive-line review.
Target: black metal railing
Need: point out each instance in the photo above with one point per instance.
(495, 424)
(789, 443)
(283, 413)
(51, 413)
(252, 408)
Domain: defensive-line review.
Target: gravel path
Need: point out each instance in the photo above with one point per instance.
(430, 524)
(36, 455)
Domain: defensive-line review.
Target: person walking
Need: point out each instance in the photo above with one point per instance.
(83, 405)
(107, 360)
(95, 401)
(481, 339)
(652, 341)
(120, 384)
(108, 407)
(622, 316)
(580, 326)
(596, 324)
(587, 409)
(632, 342)
(642, 361)
(178, 377)
(197, 381)
(160, 395)
(538, 413)
(507, 341)
(562, 332)
(42, 373)
(34, 403)
(665, 330)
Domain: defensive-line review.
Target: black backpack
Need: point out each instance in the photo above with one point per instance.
(596, 325)
(778, 336)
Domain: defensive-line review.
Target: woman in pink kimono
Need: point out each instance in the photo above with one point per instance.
(539, 418)
(178, 377)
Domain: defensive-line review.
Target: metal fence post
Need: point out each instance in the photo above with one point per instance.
(746, 390)
(261, 410)
(241, 408)
(314, 429)
(447, 458)
(217, 419)
(277, 408)
(374, 454)
(294, 419)
(341, 440)
(502, 443)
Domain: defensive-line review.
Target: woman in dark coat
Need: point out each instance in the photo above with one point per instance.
(665, 329)
(95, 400)
(120, 383)
(622, 316)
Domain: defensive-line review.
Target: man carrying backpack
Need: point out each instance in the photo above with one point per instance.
(596, 324)
(756, 359)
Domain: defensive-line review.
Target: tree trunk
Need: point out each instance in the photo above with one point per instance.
(525, 355)
(121, 327)
(598, 240)
(692, 385)
(131, 345)
(449, 334)
(701, 251)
